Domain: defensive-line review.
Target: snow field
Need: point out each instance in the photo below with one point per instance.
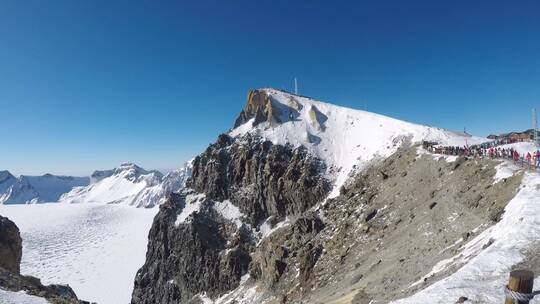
(95, 248)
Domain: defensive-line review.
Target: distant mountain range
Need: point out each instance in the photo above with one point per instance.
(36, 189)
(129, 184)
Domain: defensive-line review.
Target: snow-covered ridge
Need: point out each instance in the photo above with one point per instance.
(344, 138)
(36, 189)
(129, 184)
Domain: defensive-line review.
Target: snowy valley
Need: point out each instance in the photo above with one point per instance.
(90, 233)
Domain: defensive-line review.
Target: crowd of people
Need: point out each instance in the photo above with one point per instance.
(491, 150)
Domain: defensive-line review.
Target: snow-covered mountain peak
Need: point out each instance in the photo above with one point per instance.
(5, 175)
(129, 171)
(131, 167)
(129, 184)
(6, 180)
(344, 138)
(135, 173)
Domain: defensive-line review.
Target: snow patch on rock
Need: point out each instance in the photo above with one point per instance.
(505, 170)
(229, 211)
(193, 204)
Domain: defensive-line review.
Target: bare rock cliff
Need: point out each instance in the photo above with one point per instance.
(209, 253)
(10, 246)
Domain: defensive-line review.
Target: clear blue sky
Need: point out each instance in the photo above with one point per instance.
(86, 85)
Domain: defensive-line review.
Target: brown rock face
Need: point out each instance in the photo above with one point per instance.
(289, 255)
(10, 246)
(209, 253)
(259, 105)
(317, 118)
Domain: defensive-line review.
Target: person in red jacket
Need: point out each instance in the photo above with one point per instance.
(516, 156)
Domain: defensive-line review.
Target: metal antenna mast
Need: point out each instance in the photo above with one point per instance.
(295, 86)
(535, 126)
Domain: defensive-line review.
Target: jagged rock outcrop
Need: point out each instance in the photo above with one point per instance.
(12, 280)
(206, 251)
(292, 251)
(262, 108)
(10, 246)
(205, 254)
(260, 178)
(317, 118)
(259, 106)
(56, 294)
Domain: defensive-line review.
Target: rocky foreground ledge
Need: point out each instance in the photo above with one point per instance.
(10, 264)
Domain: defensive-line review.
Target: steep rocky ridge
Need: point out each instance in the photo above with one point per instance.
(259, 107)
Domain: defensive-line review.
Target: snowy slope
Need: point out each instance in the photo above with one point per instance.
(176, 180)
(522, 147)
(10, 297)
(342, 137)
(51, 187)
(128, 184)
(36, 189)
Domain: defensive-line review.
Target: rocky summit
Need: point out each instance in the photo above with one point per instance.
(356, 212)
